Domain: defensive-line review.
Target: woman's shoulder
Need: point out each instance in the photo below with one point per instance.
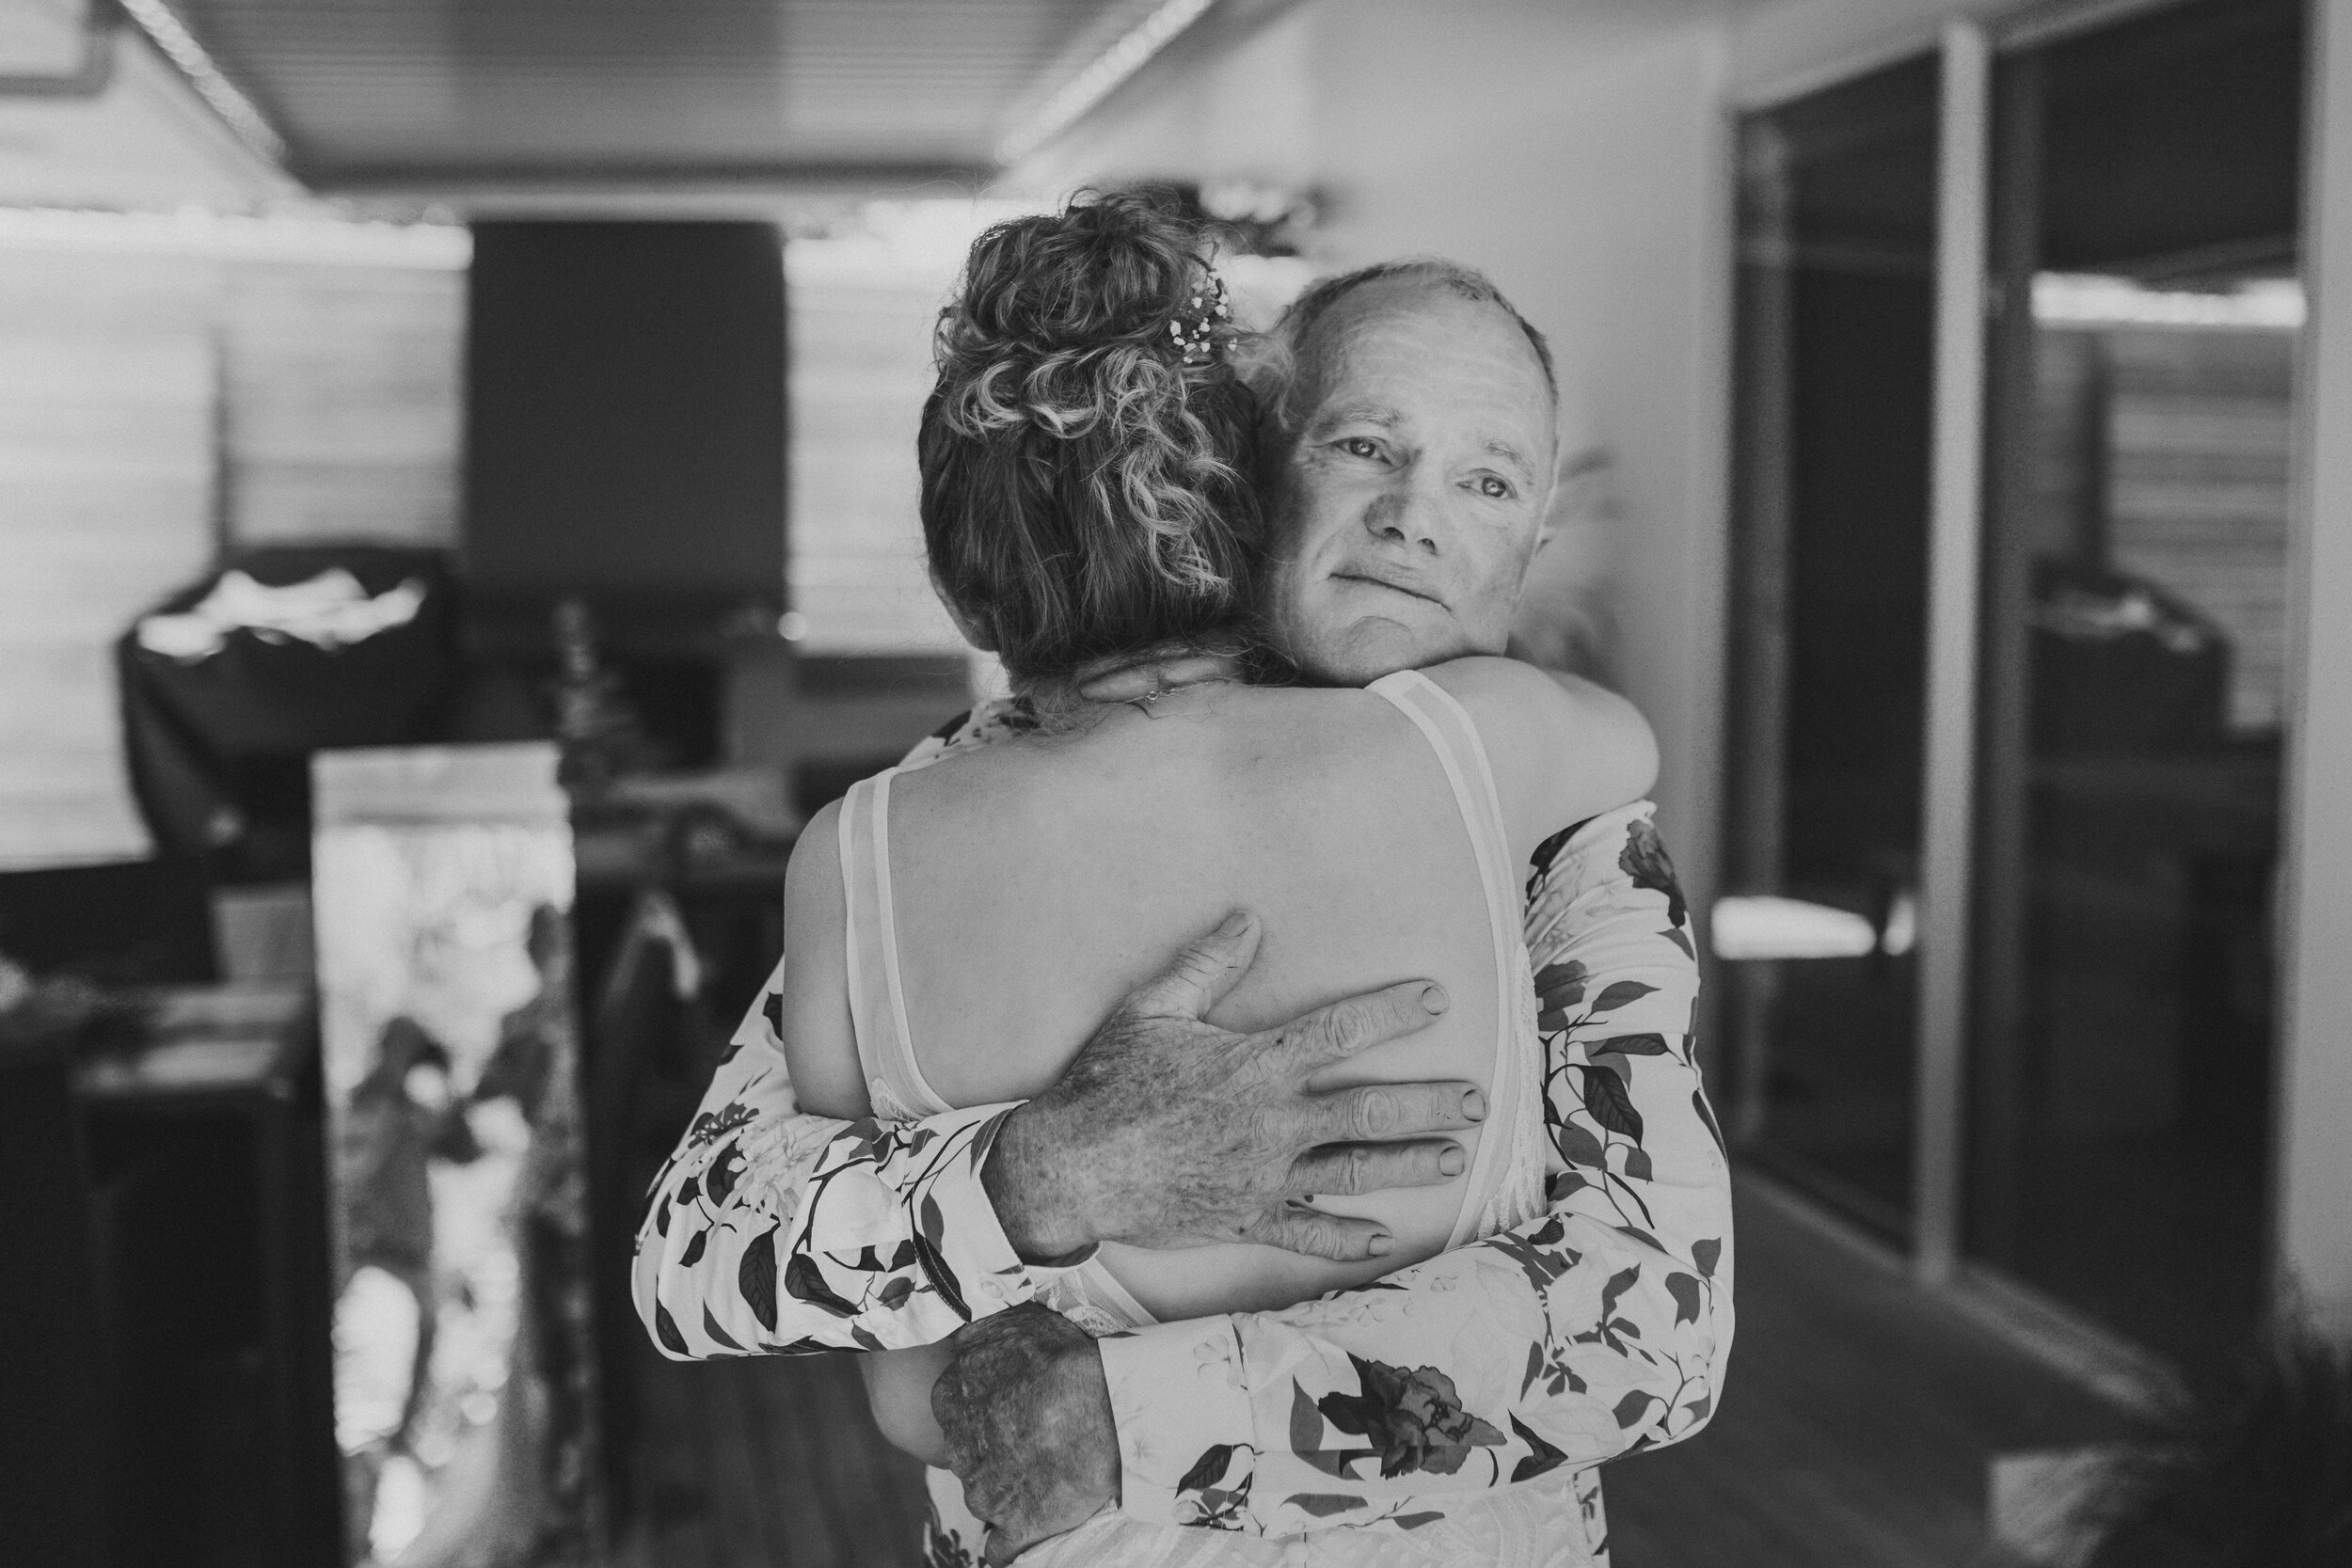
(813, 1019)
(813, 890)
(996, 719)
(1562, 745)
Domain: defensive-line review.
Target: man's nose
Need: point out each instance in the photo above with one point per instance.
(1406, 515)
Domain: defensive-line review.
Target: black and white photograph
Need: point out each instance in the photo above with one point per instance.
(1176, 783)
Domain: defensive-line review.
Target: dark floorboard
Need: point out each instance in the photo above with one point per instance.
(770, 1463)
(1856, 1428)
(1854, 1434)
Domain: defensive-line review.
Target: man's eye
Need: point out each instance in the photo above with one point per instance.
(1358, 446)
(1493, 488)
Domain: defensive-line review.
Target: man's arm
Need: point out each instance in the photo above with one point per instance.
(1598, 1330)
(773, 1231)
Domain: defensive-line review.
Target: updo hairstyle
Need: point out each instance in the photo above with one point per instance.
(1085, 490)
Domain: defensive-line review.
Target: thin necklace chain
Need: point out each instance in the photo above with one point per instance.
(1143, 704)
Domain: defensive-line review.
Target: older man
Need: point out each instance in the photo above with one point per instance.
(1412, 471)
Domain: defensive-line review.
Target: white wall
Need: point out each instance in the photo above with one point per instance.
(147, 143)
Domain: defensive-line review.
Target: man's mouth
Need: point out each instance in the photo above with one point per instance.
(1392, 584)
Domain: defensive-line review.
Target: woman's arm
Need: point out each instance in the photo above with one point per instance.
(898, 1392)
(1563, 749)
(819, 1040)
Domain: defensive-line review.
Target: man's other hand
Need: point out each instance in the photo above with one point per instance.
(1027, 1417)
(1168, 1131)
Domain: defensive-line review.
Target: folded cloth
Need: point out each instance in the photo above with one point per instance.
(329, 610)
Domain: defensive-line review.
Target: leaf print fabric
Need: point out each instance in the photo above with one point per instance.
(802, 1233)
(1216, 1489)
(1414, 1418)
(1644, 860)
(1517, 1363)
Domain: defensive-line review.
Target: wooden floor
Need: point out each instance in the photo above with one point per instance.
(1856, 1428)
(768, 1463)
(1855, 1435)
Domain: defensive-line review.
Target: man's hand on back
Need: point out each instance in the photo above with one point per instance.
(1168, 1131)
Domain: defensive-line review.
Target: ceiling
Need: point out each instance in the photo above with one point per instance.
(450, 95)
(132, 134)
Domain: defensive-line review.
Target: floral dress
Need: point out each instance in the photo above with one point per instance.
(1410, 1408)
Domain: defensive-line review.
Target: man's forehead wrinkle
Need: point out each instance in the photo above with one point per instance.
(1384, 331)
(1358, 412)
(1507, 451)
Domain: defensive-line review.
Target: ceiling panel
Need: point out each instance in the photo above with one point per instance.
(408, 91)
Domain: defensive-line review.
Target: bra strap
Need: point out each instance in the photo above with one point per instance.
(878, 1010)
(1446, 724)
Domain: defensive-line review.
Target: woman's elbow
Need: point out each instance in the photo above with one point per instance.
(1640, 747)
(899, 1390)
(1620, 749)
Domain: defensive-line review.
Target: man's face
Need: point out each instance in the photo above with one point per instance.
(1411, 496)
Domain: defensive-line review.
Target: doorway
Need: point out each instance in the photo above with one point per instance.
(2142, 317)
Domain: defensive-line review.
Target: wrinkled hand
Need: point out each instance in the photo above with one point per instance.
(1168, 1131)
(1027, 1419)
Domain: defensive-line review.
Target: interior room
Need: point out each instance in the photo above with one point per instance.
(469, 523)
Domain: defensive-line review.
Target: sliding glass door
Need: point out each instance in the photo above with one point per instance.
(2143, 247)
(2120, 811)
(1836, 326)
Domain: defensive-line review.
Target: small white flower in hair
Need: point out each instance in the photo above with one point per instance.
(1198, 337)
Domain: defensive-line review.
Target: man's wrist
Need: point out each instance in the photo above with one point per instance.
(1018, 1178)
(1162, 1441)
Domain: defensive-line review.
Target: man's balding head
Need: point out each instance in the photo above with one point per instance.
(1299, 336)
(1413, 465)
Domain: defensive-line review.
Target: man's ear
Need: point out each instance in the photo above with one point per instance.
(981, 633)
(1575, 475)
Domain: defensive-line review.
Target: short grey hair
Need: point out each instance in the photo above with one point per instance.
(1296, 327)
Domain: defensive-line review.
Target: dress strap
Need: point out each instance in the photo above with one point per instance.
(878, 1005)
(1515, 1083)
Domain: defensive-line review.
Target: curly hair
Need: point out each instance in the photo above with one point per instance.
(1084, 485)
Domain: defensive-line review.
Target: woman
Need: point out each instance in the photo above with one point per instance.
(953, 931)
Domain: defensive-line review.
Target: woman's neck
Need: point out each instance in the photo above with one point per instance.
(1134, 677)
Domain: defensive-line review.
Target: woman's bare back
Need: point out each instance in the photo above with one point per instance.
(1037, 882)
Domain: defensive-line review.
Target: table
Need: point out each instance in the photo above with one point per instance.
(207, 1161)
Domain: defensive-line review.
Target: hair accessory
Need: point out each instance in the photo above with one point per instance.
(1193, 332)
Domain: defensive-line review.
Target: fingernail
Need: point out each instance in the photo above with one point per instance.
(1235, 924)
(1450, 1162)
(1432, 998)
(1475, 1105)
(1380, 1245)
